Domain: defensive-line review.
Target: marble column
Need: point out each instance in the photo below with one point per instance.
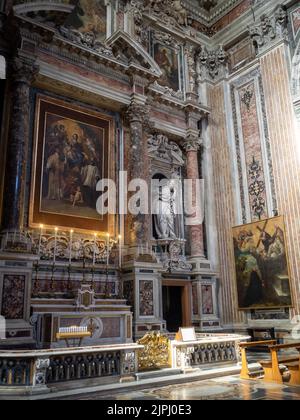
(137, 116)
(22, 73)
(192, 146)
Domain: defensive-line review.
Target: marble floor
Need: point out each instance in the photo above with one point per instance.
(228, 388)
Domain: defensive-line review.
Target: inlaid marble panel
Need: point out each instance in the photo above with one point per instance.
(146, 298)
(13, 296)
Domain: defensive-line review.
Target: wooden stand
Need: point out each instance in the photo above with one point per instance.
(73, 336)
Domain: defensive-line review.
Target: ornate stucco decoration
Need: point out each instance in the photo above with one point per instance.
(190, 54)
(212, 65)
(170, 12)
(162, 149)
(270, 29)
(87, 39)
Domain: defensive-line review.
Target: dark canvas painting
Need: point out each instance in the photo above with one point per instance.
(72, 167)
(167, 59)
(262, 273)
(71, 156)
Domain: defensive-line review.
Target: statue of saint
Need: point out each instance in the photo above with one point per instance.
(164, 207)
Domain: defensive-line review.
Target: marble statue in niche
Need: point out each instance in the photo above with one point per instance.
(165, 210)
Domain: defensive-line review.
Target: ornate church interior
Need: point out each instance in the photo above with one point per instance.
(149, 199)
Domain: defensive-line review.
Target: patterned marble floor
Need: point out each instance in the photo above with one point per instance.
(230, 388)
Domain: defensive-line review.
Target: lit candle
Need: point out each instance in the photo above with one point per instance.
(108, 237)
(71, 246)
(55, 245)
(94, 254)
(40, 239)
(120, 251)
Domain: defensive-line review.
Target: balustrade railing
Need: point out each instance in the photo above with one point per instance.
(41, 369)
(206, 351)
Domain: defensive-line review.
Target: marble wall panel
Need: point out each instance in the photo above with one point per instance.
(284, 141)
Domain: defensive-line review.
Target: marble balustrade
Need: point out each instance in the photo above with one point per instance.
(208, 349)
(38, 370)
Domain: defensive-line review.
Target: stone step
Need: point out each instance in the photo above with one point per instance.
(162, 373)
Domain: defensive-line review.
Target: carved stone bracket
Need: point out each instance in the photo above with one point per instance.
(212, 65)
(270, 29)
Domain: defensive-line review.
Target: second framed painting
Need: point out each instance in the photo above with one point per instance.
(72, 153)
(262, 270)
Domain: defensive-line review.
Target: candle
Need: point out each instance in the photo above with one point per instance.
(71, 246)
(40, 239)
(120, 251)
(108, 237)
(55, 246)
(94, 254)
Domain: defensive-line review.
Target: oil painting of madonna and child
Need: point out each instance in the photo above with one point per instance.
(262, 273)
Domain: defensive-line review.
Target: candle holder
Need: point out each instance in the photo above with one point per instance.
(36, 286)
(93, 278)
(52, 283)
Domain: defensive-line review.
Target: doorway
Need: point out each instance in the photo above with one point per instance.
(177, 305)
(172, 307)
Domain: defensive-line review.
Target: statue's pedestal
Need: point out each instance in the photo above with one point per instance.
(142, 287)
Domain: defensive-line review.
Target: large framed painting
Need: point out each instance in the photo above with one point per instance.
(73, 151)
(262, 270)
(168, 59)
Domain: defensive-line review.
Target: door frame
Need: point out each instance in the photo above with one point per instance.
(186, 299)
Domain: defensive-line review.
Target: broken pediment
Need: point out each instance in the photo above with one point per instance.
(123, 45)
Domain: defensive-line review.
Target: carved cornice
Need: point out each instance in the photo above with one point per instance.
(270, 29)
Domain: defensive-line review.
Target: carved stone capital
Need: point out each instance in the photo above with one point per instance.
(270, 29)
(137, 113)
(192, 143)
(23, 70)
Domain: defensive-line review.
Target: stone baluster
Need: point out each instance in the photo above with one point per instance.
(137, 116)
(192, 145)
(22, 73)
